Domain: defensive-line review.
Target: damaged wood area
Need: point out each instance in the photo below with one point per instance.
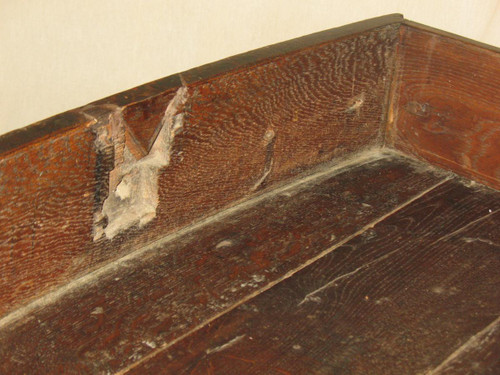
(133, 183)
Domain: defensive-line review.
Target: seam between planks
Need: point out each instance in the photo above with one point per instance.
(282, 278)
(392, 99)
(473, 341)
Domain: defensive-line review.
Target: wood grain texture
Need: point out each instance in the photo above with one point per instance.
(478, 355)
(46, 203)
(447, 103)
(250, 124)
(398, 299)
(147, 301)
(43, 131)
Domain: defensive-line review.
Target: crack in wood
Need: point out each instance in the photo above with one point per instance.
(226, 345)
(459, 230)
(474, 342)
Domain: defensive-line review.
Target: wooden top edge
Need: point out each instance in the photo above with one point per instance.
(19, 138)
(63, 122)
(433, 30)
(69, 120)
(261, 55)
(246, 59)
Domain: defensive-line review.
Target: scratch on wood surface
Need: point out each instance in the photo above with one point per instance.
(310, 296)
(269, 139)
(475, 342)
(263, 178)
(226, 345)
(354, 105)
(483, 240)
(224, 243)
(461, 229)
(133, 187)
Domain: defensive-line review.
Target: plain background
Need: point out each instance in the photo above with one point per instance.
(59, 54)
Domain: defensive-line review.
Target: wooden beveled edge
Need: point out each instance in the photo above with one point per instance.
(433, 30)
(77, 118)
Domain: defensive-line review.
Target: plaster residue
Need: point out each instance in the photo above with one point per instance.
(133, 183)
(355, 103)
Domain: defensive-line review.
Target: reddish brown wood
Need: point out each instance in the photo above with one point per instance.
(250, 122)
(447, 103)
(43, 132)
(161, 294)
(46, 199)
(398, 299)
(379, 267)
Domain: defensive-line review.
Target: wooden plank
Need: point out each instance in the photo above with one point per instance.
(479, 355)
(447, 103)
(42, 131)
(47, 196)
(248, 125)
(400, 298)
(245, 60)
(125, 312)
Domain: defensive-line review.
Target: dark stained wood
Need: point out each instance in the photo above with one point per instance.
(144, 119)
(447, 34)
(250, 124)
(479, 355)
(147, 301)
(447, 103)
(400, 298)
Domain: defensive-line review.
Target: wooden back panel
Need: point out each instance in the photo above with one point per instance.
(248, 123)
(446, 105)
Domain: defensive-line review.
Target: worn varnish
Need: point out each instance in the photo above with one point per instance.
(400, 298)
(167, 291)
(248, 124)
(447, 103)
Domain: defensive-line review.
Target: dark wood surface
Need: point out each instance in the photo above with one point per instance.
(418, 293)
(122, 315)
(447, 103)
(478, 355)
(250, 123)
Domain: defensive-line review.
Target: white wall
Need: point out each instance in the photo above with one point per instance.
(59, 54)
